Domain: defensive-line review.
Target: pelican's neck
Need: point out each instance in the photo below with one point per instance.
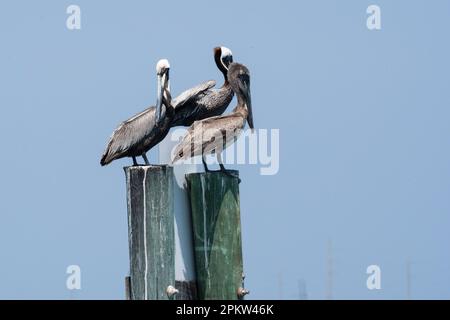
(221, 67)
(241, 107)
(225, 83)
(225, 76)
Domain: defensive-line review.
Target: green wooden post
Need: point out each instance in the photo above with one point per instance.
(217, 235)
(150, 231)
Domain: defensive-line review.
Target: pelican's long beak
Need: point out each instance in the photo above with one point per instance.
(159, 98)
(163, 81)
(248, 102)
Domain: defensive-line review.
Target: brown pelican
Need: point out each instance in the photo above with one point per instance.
(203, 101)
(135, 136)
(216, 133)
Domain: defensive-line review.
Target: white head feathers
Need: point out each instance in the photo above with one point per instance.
(225, 52)
(162, 65)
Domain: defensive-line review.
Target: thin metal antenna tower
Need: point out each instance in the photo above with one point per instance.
(329, 292)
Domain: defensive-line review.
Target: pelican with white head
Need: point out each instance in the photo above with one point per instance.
(162, 72)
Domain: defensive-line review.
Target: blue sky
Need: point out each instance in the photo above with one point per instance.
(364, 139)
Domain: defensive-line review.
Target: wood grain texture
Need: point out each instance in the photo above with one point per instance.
(150, 231)
(215, 209)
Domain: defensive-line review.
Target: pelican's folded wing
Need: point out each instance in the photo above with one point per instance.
(129, 133)
(193, 93)
(203, 136)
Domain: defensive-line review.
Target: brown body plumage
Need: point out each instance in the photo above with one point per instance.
(218, 132)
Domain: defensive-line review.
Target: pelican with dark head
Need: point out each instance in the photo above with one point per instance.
(214, 134)
(137, 135)
(204, 101)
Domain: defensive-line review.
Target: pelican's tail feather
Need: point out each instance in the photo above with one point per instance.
(106, 159)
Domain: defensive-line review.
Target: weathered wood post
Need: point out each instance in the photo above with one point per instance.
(150, 231)
(215, 209)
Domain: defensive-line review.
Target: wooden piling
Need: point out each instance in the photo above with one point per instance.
(215, 210)
(150, 231)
